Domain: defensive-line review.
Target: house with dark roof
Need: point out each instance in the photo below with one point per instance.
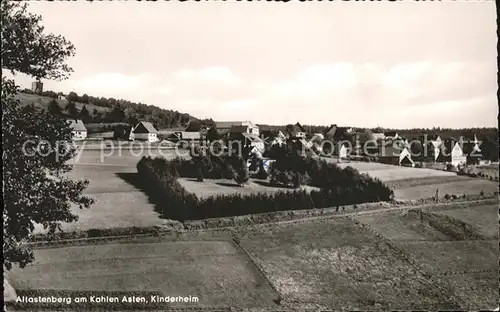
(395, 154)
(78, 129)
(337, 133)
(124, 132)
(226, 127)
(145, 131)
(295, 131)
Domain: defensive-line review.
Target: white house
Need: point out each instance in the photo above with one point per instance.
(145, 131)
(457, 156)
(78, 129)
(343, 152)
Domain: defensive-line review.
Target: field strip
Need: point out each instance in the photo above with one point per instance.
(350, 214)
(403, 255)
(258, 269)
(412, 182)
(174, 234)
(115, 258)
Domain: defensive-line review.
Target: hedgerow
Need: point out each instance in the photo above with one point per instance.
(346, 187)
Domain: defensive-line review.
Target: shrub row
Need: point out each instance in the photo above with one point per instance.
(298, 171)
(159, 178)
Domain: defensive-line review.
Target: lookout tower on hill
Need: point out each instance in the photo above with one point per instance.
(37, 87)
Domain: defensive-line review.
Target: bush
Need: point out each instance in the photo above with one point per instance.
(447, 196)
(241, 172)
(241, 176)
(481, 193)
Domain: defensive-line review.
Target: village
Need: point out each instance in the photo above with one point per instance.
(342, 143)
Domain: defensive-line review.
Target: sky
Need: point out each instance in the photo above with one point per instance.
(366, 64)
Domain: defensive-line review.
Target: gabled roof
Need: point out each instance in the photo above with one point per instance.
(335, 132)
(291, 129)
(77, 125)
(145, 127)
(330, 131)
(299, 126)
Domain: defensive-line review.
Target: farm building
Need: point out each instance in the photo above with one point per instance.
(398, 155)
(145, 131)
(124, 132)
(225, 127)
(78, 129)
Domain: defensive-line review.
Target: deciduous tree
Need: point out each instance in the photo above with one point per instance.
(54, 108)
(36, 144)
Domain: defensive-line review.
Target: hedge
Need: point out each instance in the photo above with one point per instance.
(159, 179)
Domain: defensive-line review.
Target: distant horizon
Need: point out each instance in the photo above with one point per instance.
(292, 123)
(358, 63)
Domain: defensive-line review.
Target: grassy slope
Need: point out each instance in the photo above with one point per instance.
(43, 102)
(483, 218)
